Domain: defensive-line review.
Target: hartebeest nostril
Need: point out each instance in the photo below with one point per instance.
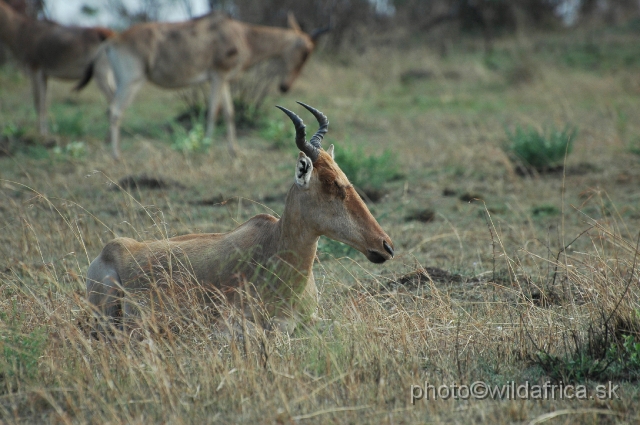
(387, 248)
(284, 88)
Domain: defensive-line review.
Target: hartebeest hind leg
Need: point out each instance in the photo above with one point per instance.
(39, 85)
(220, 92)
(129, 77)
(104, 77)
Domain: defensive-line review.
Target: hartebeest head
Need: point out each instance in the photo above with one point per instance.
(299, 49)
(327, 202)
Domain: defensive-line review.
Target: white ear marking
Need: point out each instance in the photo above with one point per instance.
(330, 151)
(304, 167)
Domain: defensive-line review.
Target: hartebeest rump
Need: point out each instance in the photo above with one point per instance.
(48, 49)
(210, 48)
(269, 258)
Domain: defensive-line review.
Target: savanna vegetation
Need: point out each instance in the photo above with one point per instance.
(508, 180)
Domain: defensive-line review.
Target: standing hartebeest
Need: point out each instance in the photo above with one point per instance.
(211, 48)
(48, 49)
(269, 258)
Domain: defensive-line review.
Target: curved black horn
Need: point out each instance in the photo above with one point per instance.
(316, 33)
(316, 140)
(301, 134)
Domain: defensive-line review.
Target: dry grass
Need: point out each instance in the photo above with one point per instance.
(477, 293)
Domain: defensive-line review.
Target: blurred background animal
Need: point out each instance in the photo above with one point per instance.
(211, 48)
(49, 50)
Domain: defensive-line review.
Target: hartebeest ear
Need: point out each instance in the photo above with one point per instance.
(330, 152)
(304, 167)
(293, 23)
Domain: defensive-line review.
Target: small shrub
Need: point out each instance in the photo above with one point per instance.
(247, 113)
(278, 133)
(12, 131)
(620, 361)
(367, 172)
(541, 151)
(12, 139)
(628, 356)
(578, 368)
(634, 147)
(190, 141)
(545, 210)
(70, 125)
(74, 150)
(328, 248)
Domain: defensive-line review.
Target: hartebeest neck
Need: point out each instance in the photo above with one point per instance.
(297, 243)
(267, 42)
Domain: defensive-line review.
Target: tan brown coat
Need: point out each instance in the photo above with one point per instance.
(269, 258)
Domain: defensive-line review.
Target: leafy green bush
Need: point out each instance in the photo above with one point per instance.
(634, 147)
(12, 131)
(545, 210)
(70, 124)
(328, 248)
(625, 358)
(190, 141)
(279, 132)
(75, 150)
(541, 151)
(248, 113)
(367, 172)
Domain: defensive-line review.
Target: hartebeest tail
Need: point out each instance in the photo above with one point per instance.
(48, 49)
(268, 258)
(86, 77)
(210, 48)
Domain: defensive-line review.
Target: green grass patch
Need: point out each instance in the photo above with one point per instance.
(189, 141)
(540, 150)
(13, 131)
(367, 171)
(278, 132)
(20, 355)
(328, 248)
(544, 210)
(72, 150)
(68, 122)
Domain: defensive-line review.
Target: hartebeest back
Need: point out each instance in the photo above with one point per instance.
(48, 49)
(272, 257)
(210, 48)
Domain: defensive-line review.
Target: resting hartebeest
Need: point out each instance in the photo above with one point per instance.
(211, 48)
(48, 49)
(273, 257)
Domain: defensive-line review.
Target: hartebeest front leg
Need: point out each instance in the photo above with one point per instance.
(39, 85)
(227, 106)
(220, 92)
